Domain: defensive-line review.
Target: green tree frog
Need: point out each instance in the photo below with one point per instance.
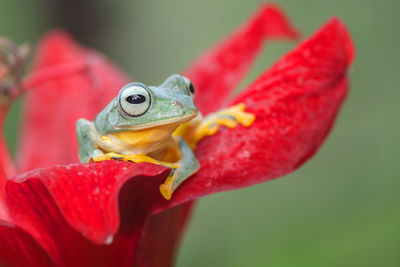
(156, 124)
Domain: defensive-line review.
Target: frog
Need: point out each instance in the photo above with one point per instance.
(155, 124)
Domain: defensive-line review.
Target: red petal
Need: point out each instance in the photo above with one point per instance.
(295, 104)
(3, 178)
(61, 205)
(18, 248)
(47, 202)
(70, 82)
(163, 233)
(217, 72)
(7, 168)
(87, 194)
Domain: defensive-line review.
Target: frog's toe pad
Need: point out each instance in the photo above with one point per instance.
(166, 188)
(241, 116)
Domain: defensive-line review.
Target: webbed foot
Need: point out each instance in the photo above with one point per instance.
(229, 117)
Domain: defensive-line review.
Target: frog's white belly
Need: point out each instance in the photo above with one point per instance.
(136, 142)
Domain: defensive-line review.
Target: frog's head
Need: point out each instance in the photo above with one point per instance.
(138, 106)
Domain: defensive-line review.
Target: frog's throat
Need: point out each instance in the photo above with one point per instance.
(182, 119)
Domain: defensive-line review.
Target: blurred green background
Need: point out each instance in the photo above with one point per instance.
(342, 207)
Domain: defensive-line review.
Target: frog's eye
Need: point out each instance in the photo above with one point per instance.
(134, 100)
(191, 88)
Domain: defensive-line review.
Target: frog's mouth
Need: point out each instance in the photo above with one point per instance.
(179, 120)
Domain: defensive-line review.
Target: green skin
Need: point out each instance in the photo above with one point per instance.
(171, 102)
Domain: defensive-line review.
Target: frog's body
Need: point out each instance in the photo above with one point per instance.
(154, 124)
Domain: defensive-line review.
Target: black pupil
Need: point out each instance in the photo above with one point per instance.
(191, 88)
(135, 99)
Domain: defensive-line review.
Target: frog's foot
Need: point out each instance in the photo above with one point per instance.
(133, 158)
(188, 165)
(166, 189)
(229, 117)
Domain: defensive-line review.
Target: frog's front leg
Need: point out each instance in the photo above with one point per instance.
(188, 165)
(88, 149)
(229, 117)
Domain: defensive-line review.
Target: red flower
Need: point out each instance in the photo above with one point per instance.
(111, 213)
